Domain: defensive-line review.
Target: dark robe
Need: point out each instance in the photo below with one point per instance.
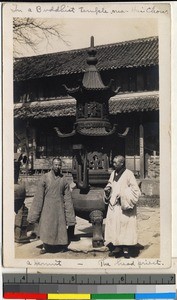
(52, 206)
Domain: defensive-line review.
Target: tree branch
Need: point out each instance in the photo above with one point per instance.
(29, 32)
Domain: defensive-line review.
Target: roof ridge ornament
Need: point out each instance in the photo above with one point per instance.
(92, 60)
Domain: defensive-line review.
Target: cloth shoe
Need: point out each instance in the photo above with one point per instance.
(111, 254)
(126, 253)
(43, 251)
(33, 237)
(116, 250)
(64, 250)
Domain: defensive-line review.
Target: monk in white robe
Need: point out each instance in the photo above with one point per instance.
(122, 194)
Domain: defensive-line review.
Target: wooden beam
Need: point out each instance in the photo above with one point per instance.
(141, 145)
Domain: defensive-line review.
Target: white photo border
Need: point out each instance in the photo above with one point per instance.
(143, 10)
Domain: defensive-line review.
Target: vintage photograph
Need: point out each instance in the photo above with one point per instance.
(86, 134)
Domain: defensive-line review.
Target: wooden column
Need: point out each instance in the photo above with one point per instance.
(34, 143)
(141, 144)
(134, 150)
(27, 144)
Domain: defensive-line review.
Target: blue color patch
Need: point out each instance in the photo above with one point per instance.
(155, 296)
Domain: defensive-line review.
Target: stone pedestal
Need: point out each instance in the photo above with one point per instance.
(96, 218)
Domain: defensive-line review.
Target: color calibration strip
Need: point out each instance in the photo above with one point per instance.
(110, 296)
(89, 287)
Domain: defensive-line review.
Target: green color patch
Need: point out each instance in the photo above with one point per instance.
(112, 296)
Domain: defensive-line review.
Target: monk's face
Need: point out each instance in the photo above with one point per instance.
(117, 163)
(56, 166)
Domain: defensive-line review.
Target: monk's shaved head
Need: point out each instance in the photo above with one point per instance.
(119, 158)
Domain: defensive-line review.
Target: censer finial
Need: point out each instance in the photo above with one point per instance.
(92, 41)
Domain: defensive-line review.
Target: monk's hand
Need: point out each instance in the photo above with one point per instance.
(107, 191)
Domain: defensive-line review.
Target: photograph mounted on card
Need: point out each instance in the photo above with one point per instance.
(86, 144)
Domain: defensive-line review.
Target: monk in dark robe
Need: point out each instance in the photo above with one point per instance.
(52, 207)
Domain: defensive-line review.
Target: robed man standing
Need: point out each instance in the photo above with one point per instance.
(121, 194)
(52, 206)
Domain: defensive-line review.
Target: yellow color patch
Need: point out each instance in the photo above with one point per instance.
(69, 296)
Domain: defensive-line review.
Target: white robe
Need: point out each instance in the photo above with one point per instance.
(120, 226)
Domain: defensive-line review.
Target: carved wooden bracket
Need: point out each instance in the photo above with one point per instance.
(124, 134)
(60, 134)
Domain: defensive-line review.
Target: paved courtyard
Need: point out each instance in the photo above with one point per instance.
(148, 239)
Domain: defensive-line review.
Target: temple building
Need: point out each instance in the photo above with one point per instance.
(45, 110)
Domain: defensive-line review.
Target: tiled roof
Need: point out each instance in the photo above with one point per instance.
(124, 103)
(135, 53)
(45, 109)
(133, 102)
